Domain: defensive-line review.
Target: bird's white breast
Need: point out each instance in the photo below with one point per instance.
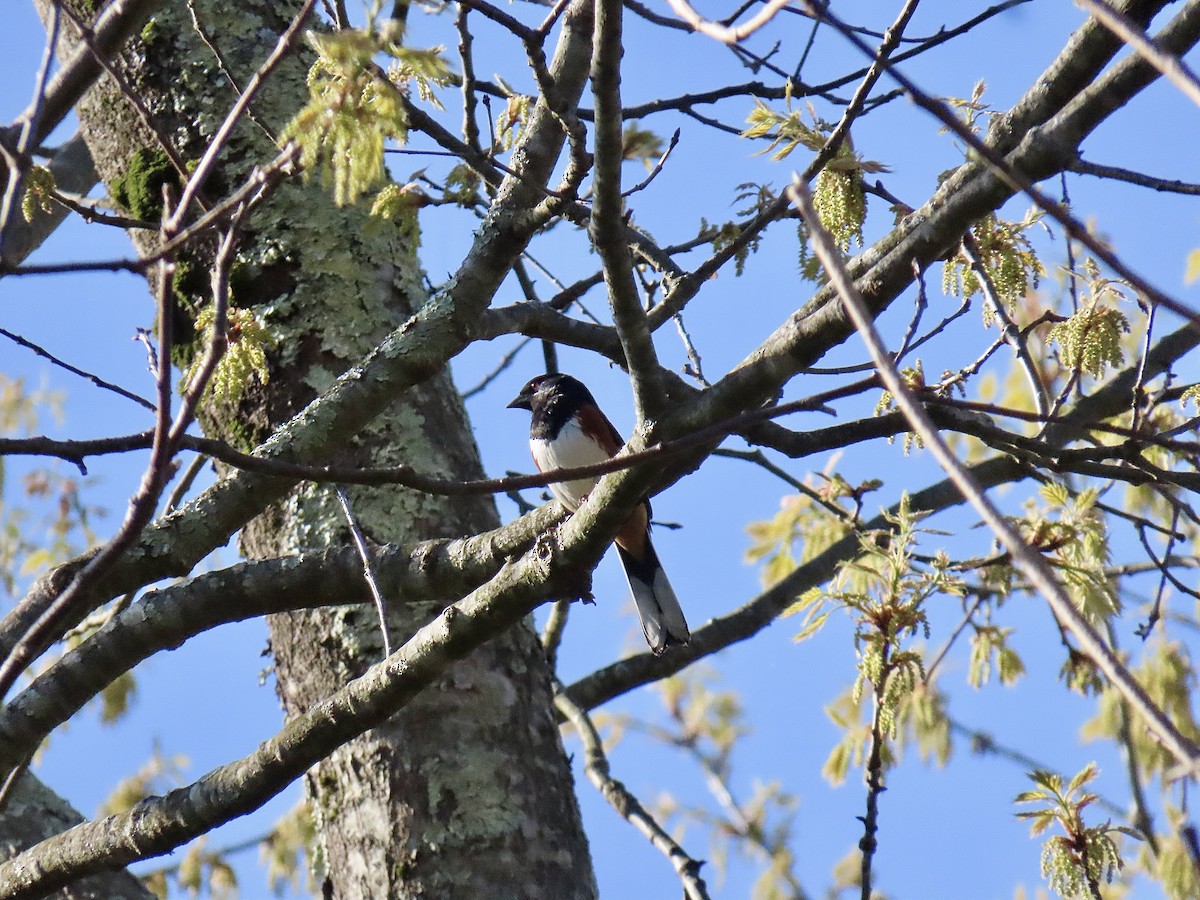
(571, 448)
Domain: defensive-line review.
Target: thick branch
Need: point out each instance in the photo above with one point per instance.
(759, 612)
(119, 21)
(159, 824)
(608, 211)
(73, 173)
(410, 355)
(971, 192)
(166, 618)
(1171, 66)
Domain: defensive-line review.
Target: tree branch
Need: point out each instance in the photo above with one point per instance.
(431, 571)
(1024, 557)
(119, 21)
(1174, 69)
(606, 227)
(158, 824)
(626, 804)
(725, 33)
(756, 614)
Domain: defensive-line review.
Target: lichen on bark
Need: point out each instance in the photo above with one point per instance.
(467, 792)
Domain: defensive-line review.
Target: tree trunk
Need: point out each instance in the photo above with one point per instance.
(467, 792)
(33, 813)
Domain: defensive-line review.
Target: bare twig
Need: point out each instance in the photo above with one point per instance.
(1140, 815)
(1137, 401)
(94, 379)
(556, 11)
(199, 175)
(868, 843)
(10, 782)
(470, 126)
(627, 806)
(1165, 576)
(185, 483)
(556, 626)
(919, 307)
(200, 375)
(1013, 335)
(658, 166)
(89, 212)
(1174, 69)
(226, 69)
(497, 370)
(944, 650)
(695, 367)
(1116, 173)
(724, 33)
(364, 553)
(984, 743)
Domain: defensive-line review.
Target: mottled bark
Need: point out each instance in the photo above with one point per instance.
(468, 792)
(32, 813)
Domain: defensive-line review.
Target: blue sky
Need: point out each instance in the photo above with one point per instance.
(944, 833)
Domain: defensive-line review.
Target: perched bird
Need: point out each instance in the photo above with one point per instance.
(568, 430)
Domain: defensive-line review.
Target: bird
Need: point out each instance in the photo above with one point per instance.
(567, 429)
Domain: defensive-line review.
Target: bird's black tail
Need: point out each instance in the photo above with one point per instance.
(658, 607)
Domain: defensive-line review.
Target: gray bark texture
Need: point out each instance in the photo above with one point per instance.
(32, 813)
(467, 792)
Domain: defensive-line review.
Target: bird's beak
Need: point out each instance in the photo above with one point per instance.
(523, 400)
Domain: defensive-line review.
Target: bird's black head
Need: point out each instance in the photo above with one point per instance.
(539, 392)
